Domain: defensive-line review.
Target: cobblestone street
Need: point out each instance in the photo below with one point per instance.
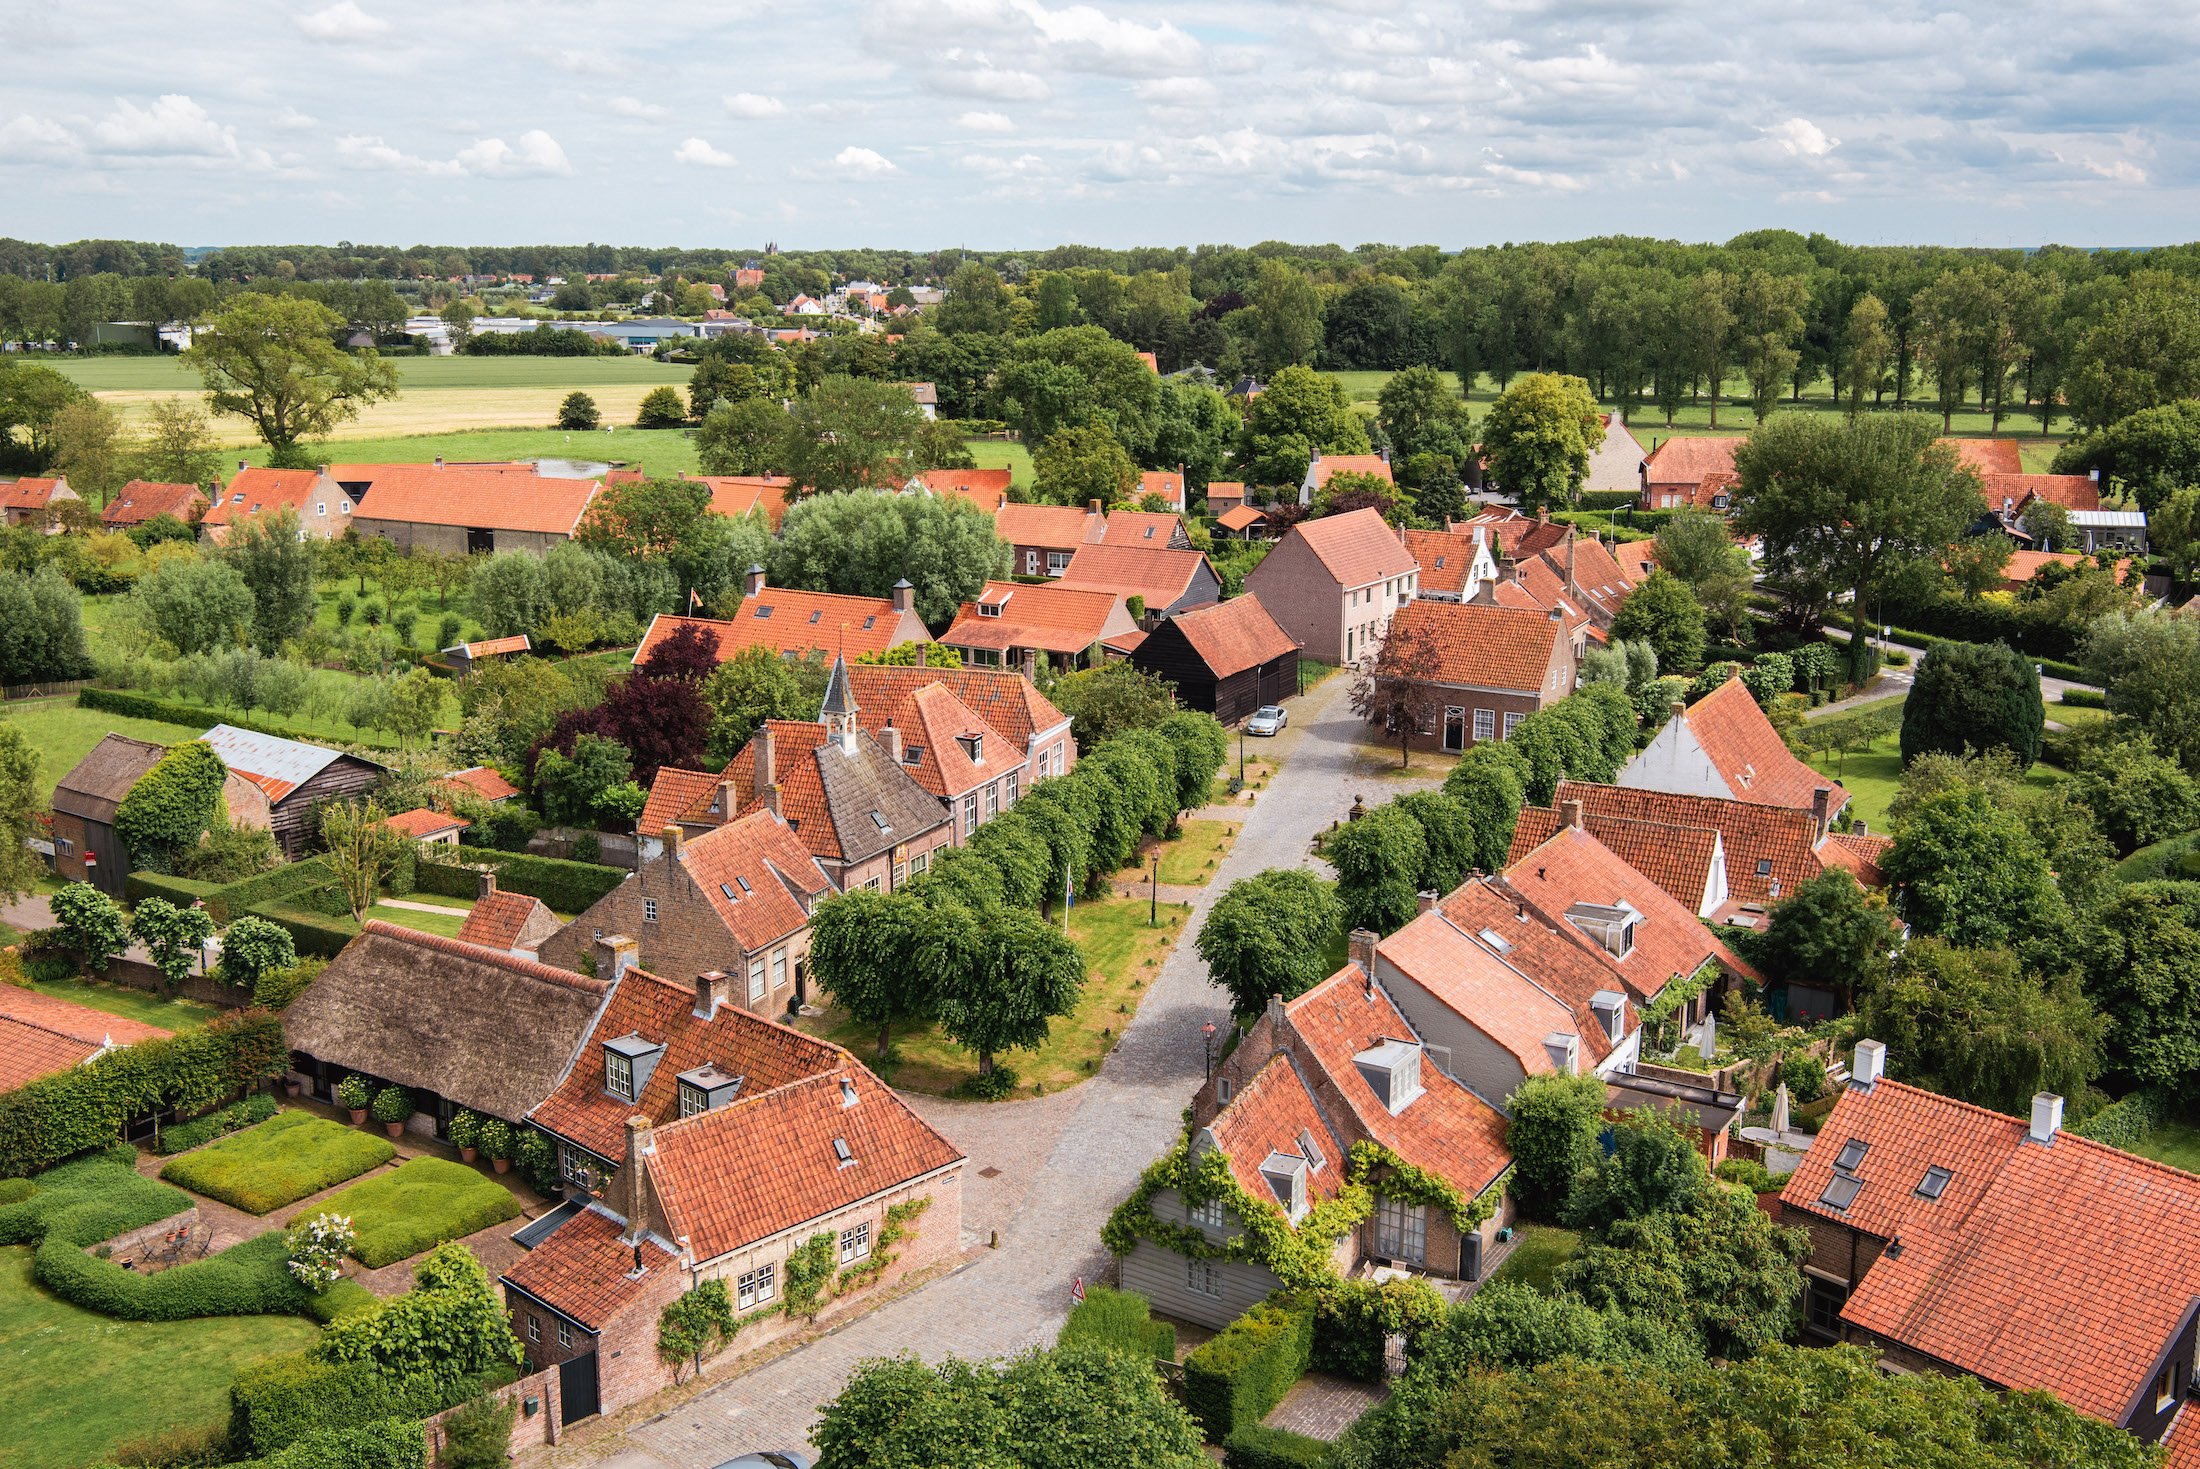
(1065, 1160)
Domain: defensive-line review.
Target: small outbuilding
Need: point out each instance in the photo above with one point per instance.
(1226, 659)
(294, 777)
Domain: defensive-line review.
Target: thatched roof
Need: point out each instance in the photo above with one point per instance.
(99, 781)
(487, 1030)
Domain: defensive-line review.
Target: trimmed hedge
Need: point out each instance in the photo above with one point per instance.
(422, 1204)
(137, 706)
(251, 1279)
(92, 1199)
(1121, 1321)
(393, 1443)
(292, 1398)
(315, 935)
(2084, 699)
(185, 1136)
(1237, 1376)
(279, 1162)
(1255, 1447)
(2125, 1124)
(567, 887)
(238, 898)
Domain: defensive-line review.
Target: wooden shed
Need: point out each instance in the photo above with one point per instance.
(295, 776)
(1226, 659)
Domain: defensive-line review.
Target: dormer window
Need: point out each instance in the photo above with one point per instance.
(912, 754)
(1611, 925)
(1285, 1175)
(989, 609)
(973, 746)
(627, 1063)
(618, 1076)
(1392, 1070)
(1311, 1151)
(706, 1089)
(1610, 1009)
(1764, 867)
(1851, 1155)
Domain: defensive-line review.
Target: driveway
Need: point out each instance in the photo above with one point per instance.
(1081, 1152)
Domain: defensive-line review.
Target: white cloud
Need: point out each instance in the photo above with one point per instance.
(862, 163)
(1083, 38)
(1802, 138)
(639, 110)
(31, 139)
(991, 83)
(2122, 171)
(361, 151)
(537, 155)
(984, 122)
(1179, 92)
(343, 21)
(292, 120)
(584, 63)
(702, 154)
(749, 104)
(173, 127)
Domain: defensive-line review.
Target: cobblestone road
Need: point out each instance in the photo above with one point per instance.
(1076, 1155)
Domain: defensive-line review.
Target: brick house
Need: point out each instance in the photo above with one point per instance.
(1145, 531)
(1722, 745)
(1043, 538)
(1006, 701)
(1947, 1238)
(735, 898)
(1167, 483)
(743, 496)
(1333, 583)
(1224, 496)
(324, 507)
(30, 501)
(1337, 1066)
(1491, 667)
(1226, 659)
(1321, 466)
(86, 846)
(1454, 565)
(511, 922)
(700, 1143)
(1165, 580)
(1689, 472)
(793, 623)
(985, 488)
(1013, 625)
(141, 500)
(459, 510)
(294, 777)
(974, 770)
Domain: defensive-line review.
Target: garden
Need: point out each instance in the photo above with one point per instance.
(278, 1162)
(417, 1206)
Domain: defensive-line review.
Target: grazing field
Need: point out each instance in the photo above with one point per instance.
(1873, 775)
(1004, 454)
(79, 1384)
(291, 1156)
(64, 734)
(419, 1206)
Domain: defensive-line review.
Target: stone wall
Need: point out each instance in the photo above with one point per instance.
(136, 1240)
(203, 988)
(528, 1428)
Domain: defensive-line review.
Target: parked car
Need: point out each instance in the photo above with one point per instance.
(768, 1459)
(1267, 720)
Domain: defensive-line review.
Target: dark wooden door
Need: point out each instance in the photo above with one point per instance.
(577, 1388)
(480, 540)
(1455, 729)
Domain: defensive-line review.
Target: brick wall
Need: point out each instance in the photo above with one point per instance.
(528, 1429)
(686, 938)
(200, 987)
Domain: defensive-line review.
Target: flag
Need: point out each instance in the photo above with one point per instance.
(695, 601)
(1077, 1291)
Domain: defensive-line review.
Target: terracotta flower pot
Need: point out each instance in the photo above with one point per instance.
(358, 1115)
(290, 1088)
(503, 1165)
(397, 1129)
(466, 1155)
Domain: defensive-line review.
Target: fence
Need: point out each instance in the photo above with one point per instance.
(42, 690)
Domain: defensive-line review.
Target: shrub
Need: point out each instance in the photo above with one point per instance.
(1247, 1367)
(184, 1136)
(492, 1137)
(465, 1129)
(89, 1200)
(392, 1443)
(1353, 1320)
(177, 1448)
(253, 948)
(250, 1279)
(317, 1252)
(1804, 1075)
(347, 607)
(1973, 696)
(354, 1093)
(280, 1162)
(1120, 1319)
(1255, 1447)
(479, 1435)
(567, 887)
(392, 1104)
(424, 1203)
(294, 1398)
(278, 987)
(1750, 1174)
(989, 1086)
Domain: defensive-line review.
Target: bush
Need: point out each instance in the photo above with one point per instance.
(566, 887)
(479, 1435)
(392, 1443)
(1973, 696)
(989, 1086)
(2125, 1124)
(279, 1162)
(1750, 1174)
(184, 1136)
(1804, 1075)
(393, 1104)
(2084, 699)
(292, 1398)
(1255, 1447)
(1354, 1319)
(316, 935)
(278, 988)
(177, 1448)
(1247, 1367)
(354, 1092)
(250, 1279)
(1120, 1320)
(137, 706)
(422, 1204)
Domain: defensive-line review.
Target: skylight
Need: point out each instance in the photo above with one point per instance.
(737, 877)
(1764, 867)
(1935, 1182)
(878, 819)
(1841, 1191)
(1852, 1153)
(842, 1152)
(867, 622)
(727, 889)
(764, 611)
(817, 615)
(1495, 940)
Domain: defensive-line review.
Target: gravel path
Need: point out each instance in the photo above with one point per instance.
(1066, 1160)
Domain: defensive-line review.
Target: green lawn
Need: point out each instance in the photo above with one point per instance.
(2175, 1143)
(1004, 454)
(84, 1383)
(661, 452)
(1199, 848)
(1542, 1249)
(1873, 775)
(140, 1005)
(418, 1206)
(2171, 857)
(64, 734)
(447, 925)
(415, 374)
(291, 1156)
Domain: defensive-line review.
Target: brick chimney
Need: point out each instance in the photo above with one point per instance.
(1425, 901)
(767, 770)
(1821, 810)
(710, 993)
(1569, 814)
(1543, 514)
(1360, 947)
(905, 595)
(628, 1192)
(615, 955)
(752, 581)
(729, 800)
(891, 738)
(485, 886)
(673, 837)
(1571, 585)
(1092, 507)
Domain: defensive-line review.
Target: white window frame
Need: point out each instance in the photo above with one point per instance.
(1512, 721)
(779, 967)
(618, 1075)
(755, 1287)
(565, 1333)
(649, 910)
(756, 978)
(534, 1328)
(694, 1102)
(1401, 1231)
(1011, 791)
(1203, 1277)
(970, 814)
(855, 1243)
(992, 800)
(1059, 767)
(1057, 562)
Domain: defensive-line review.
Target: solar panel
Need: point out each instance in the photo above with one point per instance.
(1841, 1191)
(1852, 1153)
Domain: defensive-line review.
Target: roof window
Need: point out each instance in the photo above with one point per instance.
(842, 1152)
(1852, 1153)
(868, 622)
(764, 611)
(989, 609)
(878, 819)
(727, 889)
(1934, 1183)
(1611, 925)
(1764, 867)
(817, 615)
(1311, 1151)
(1495, 940)
(1439, 563)
(1392, 1070)
(1841, 1191)
(737, 877)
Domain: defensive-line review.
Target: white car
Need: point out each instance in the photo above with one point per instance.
(783, 1459)
(1269, 719)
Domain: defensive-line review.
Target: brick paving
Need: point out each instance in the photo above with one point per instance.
(1078, 1153)
(1321, 1406)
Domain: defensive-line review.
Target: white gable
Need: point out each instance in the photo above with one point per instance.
(1673, 761)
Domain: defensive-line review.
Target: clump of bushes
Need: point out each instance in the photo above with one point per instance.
(1120, 1320)
(1247, 1367)
(1804, 1075)
(1750, 1174)
(185, 1136)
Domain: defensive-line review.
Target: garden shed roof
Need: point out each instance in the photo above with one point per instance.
(274, 764)
(94, 788)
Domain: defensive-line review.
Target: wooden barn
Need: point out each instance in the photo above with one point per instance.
(296, 777)
(1227, 658)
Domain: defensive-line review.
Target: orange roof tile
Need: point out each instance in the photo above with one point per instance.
(1269, 1114)
(580, 1271)
(1240, 517)
(1445, 558)
(1145, 529)
(2024, 565)
(788, 621)
(254, 491)
(1682, 462)
(1755, 762)
(1554, 961)
(1474, 983)
(1003, 698)
(499, 920)
(1989, 456)
(422, 822)
(28, 493)
(1049, 527)
(1330, 464)
(1680, 859)
(1225, 489)
(29, 1050)
(2071, 491)
(985, 488)
(1161, 576)
(1048, 616)
(496, 647)
(484, 782)
(1506, 648)
(1860, 854)
(737, 496)
(1764, 844)
(1167, 483)
(77, 1022)
(757, 876)
(141, 500)
(933, 723)
(1232, 636)
(1355, 548)
(671, 795)
(478, 497)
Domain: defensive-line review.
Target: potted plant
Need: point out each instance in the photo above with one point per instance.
(495, 1139)
(391, 1107)
(466, 1134)
(353, 1094)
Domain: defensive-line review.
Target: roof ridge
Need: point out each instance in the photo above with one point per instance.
(495, 958)
(1958, 1103)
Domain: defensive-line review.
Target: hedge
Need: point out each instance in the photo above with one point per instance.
(251, 1279)
(2084, 699)
(2125, 1124)
(264, 887)
(92, 1199)
(1120, 1320)
(566, 887)
(289, 1399)
(279, 1162)
(57, 1117)
(137, 706)
(1923, 641)
(1242, 1372)
(181, 891)
(185, 1136)
(1255, 1447)
(392, 1443)
(315, 935)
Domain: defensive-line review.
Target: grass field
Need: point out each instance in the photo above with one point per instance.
(1873, 775)
(289, 1157)
(445, 924)
(64, 734)
(419, 1206)
(1542, 1249)
(1003, 454)
(2176, 1143)
(1125, 955)
(84, 1383)
(140, 1005)
(1192, 858)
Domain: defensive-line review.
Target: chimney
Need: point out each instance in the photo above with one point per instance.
(615, 955)
(1870, 1063)
(438, 462)
(243, 465)
(1821, 810)
(321, 470)
(767, 770)
(729, 800)
(1543, 515)
(1314, 458)
(672, 835)
(1360, 947)
(624, 1197)
(891, 738)
(1676, 708)
(1570, 584)
(1507, 568)
(1092, 507)
(1569, 814)
(485, 886)
(710, 993)
(752, 581)
(905, 595)
(2046, 1116)
(1425, 901)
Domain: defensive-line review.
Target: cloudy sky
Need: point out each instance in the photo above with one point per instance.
(1026, 123)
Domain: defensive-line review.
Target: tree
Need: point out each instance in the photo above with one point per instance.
(1829, 934)
(1350, 490)
(1649, 1167)
(861, 544)
(2049, 526)
(1080, 377)
(2150, 664)
(1703, 318)
(573, 790)
(850, 434)
(2137, 796)
(252, 949)
(1489, 781)
(172, 936)
(1770, 320)
(1974, 696)
(754, 685)
(41, 628)
(744, 437)
(976, 302)
(1718, 1266)
(1077, 466)
(1845, 503)
(90, 450)
(1420, 414)
(1265, 936)
(863, 950)
(1397, 688)
(416, 703)
(1019, 973)
(661, 408)
(1379, 861)
(1870, 348)
(1448, 831)
(510, 592)
(1695, 546)
(1662, 612)
(654, 721)
(31, 398)
(2152, 453)
(91, 923)
(2143, 353)
(1538, 436)
(195, 605)
(1553, 1137)
(1288, 310)
(1201, 744)
(280, 566)
(1112, 699)
(650, 517)
(1973, 873)
(459, 318)
(1194, 426)
(22, 807)
(2141, 962)
(578, 413)
(1973, 1024)
(174, 446)
(362, 850)
(1299, 413)
(271, 359)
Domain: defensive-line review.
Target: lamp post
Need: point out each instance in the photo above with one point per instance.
(1207, 1034)
(1241, 752)
(1153, 915)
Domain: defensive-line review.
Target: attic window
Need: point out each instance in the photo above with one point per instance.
(1311, 1152)
(878, 819)
(1611, 925)
(1841, 1191)
(737, 877)
(1934, 1183)
(1495, 940)
(727, 889)
(1439, 563)
(817, 616)
(988, 609)
(842, 1152)
(1852, 1153)
(1149, 532)
(1764, 867)
(238, 499)
(765, 611)
(868, 623)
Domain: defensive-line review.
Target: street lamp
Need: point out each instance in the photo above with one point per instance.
(1207, 1032)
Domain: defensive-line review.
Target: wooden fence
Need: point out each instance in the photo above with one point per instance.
(12, 692)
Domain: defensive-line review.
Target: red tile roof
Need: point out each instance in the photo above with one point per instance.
(141, 500)
(1505, 648)
(1161, 576)
(1126, 643)
(1553, 960)
(1989, 456)
(1051, 617)
(1268, 1115)
(985, 488)
(28, 493)
(1507, 528)
(1990, 1278)
(1445, 558)
(421, 822)
(1682, 462)
(933, 723)
(1145, 529)
(29, 1051)
(1330, 464)
(478, 497)
(736, 496)
(788, 621)
(2024, 565)
(1682, 860)
(252, 491)
(1468, 977)
(581, 1270)
(1764, 844)
(41, 1034)
(1049, 527)
(1860, 854)
(483, 782)
(1225, 489)
(2071, 491)
(671, 795)
(496, 647)
(499, 920)
(1355, 548)
(1167, 483)
(1152, 365)
(1240, 517)
(774, 880)
(1232, 636)
(1755, 762)
(1002, 697)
